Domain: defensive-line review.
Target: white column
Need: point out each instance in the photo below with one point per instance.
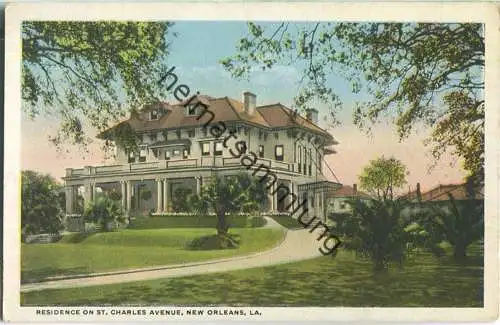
(129, 196)
(292, 200)
(124, 193)
(159, 197)
(165, 195)
(198, 185)
(87, 193)
(69, 199)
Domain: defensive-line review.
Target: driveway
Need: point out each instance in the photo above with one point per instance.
(297, 245)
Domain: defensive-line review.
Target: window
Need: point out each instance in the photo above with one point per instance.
(185, 153)
(191, 133)
(278, 152)
(310, 170)
(142, 155)
(261, 151)
(304, 150)
(342, 205)
(131, 157)
(300, 159)
(218, 148)
(153, 137)
(153, 115)
(176, 152)
(276, 136)
(178, 132)
(205, 148)
(312, 201)
(242, 147)
(167, 155)
(310, 162)
(191, 109)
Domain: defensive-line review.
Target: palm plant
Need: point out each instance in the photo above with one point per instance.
(103, 211)
(380, 231)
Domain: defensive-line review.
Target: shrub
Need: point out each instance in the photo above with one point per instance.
(256, 222)
(213, 242)
(104, 212)
(180, 200)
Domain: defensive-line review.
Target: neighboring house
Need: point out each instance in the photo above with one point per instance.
(338, 200)
(439, 196)
(180, 146)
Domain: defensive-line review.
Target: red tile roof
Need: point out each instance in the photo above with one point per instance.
(440, 193)
(348, 191)
(225, 110)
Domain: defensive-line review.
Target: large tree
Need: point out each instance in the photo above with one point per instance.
(416, 73)
(41, 209)
(232, 194)
(382, 177)
(90, 73)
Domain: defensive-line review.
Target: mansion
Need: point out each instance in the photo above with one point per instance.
(177, 149)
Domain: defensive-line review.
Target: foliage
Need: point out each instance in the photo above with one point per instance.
(114, 195)
(104, 211)
(212, 242)
(257, 222)
(180, 200)
(378, 230)
(90, 72)
(430, 73)
(341, 223)
(41, 210)
(459, 222)
(233, 194)
(382, 176)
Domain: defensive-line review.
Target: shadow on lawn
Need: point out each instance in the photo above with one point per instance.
(38, 275)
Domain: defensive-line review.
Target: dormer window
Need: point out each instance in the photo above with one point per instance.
(153, 114)
(191, 109)
(131, 157)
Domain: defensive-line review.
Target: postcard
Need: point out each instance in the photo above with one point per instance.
(251, 161)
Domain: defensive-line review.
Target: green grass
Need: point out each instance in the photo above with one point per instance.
(288, 222)
(184, 222)
(341, 281)
(127, 249)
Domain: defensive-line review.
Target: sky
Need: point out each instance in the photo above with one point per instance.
(195, 53)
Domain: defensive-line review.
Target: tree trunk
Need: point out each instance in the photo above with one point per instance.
(221, 224)
(460, 251)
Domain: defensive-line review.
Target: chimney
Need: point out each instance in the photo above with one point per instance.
(249, 101)
(354, 189)
(312, 115)
(419, 194)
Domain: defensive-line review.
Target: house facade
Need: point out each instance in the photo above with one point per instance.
(181, 146)
(338, 201)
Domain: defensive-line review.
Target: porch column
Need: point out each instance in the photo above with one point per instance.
(292, 197)
(70, 194)
(159, 198)
(271, 196)
(165, 195)
(87, 193)
(129, 196)
(93, 189)
(124, 193)
(198, 185)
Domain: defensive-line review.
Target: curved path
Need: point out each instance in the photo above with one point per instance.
(297, 245)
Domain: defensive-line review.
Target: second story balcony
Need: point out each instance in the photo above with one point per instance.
(172, 166)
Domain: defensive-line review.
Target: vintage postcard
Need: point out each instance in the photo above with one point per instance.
(256, 162)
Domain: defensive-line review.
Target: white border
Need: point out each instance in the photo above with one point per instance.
(391, 11)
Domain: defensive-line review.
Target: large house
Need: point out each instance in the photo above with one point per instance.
(183, 145)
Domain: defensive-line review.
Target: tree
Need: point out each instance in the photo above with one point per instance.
(180, 200)
(41, 209)
(379, 230)
(104, 211)
(430, 73)
(90, 72)
(383, 176)
(459, 222)
(233, 194)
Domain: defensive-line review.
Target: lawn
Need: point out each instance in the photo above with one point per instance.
(288, 222)
(325, 281)
(185, 222)
(131, 248)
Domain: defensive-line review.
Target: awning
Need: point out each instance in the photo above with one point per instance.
(322, 186)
